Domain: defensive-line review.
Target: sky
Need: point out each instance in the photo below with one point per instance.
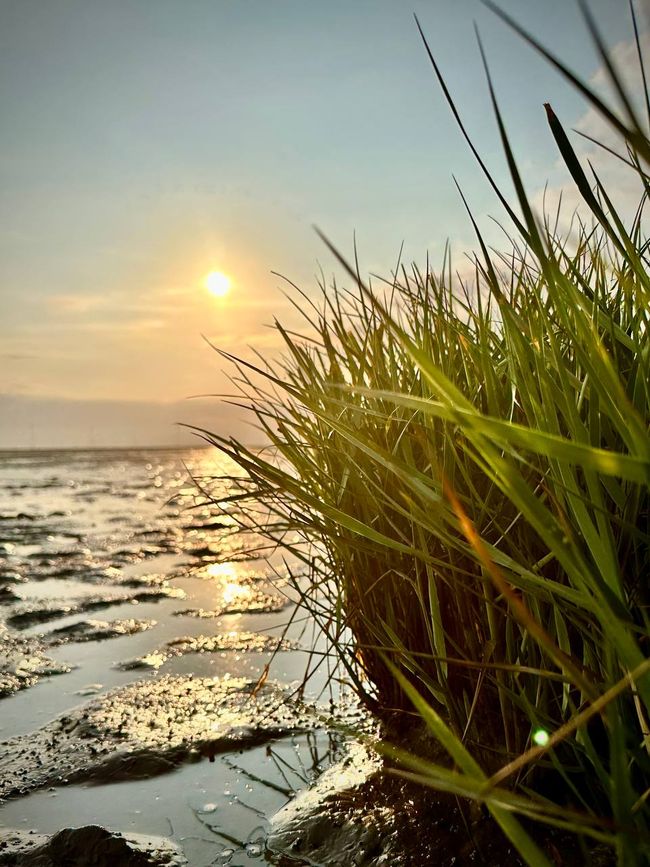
(147, 143)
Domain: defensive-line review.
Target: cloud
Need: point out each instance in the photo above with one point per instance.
(75, 303)
(119, 310)
(17, 356)
(137, 325)
(624, 57)
(619, 180)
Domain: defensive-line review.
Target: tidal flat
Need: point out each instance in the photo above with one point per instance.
(134, 631)
(152, 695)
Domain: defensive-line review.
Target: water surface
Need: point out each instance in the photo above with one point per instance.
(114, 569)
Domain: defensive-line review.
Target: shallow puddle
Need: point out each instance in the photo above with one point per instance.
(218, 812)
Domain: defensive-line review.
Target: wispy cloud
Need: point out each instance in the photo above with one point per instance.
(17, 356)
(620, 181)
(75, 303)
(119, 311)
(137, 324)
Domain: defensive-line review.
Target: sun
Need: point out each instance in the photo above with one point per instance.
(217, 283)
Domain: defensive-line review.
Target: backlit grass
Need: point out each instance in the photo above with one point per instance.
(464, 468)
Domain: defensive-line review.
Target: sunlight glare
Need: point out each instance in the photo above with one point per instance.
(235, 593)
(541, 737)
(232, 591)
(227, 572)
(217, 283)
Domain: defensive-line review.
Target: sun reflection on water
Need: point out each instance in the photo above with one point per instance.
(232, 590)
(222, 571)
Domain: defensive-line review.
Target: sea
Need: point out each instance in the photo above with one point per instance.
(123, 571)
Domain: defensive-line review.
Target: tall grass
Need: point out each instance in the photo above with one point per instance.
(465, 469)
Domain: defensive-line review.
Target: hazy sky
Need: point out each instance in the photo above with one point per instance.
(145, 143)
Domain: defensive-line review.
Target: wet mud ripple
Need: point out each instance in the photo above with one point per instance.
(23, 662)
(80, 847)
(32, 613)
(244, 642)
(148, 728)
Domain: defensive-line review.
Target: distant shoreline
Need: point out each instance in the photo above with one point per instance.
(22, 450)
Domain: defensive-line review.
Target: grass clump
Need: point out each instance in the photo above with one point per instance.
(464, 466)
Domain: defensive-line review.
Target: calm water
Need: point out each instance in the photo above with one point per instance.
(82, 534)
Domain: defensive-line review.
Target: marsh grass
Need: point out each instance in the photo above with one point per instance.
(464, 469)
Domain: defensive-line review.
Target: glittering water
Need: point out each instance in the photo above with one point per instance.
(115, 569)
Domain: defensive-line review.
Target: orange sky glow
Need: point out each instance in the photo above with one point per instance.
(146, 146)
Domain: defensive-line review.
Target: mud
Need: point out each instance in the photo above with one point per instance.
(245, 642)
(89, 846)
(359, 814)
(29, 614)
(207, 525)
(148, 728)
(96, 630)
(154, 580)
(257, 602)
(23, 662)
